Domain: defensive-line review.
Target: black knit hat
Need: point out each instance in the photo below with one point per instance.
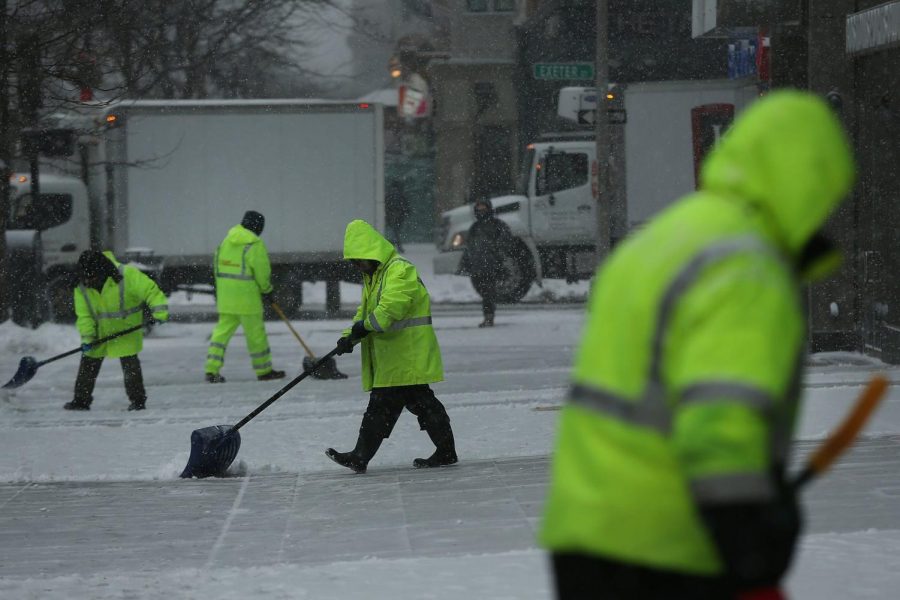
(253, 221)
(93, 265)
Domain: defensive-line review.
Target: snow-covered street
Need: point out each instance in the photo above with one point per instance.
(91, 505)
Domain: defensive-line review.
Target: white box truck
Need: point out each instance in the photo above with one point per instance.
(167, 179)
(657, 130)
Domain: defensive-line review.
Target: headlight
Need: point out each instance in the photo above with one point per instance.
(458, 240)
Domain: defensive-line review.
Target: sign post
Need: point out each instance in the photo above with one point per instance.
(601, 133)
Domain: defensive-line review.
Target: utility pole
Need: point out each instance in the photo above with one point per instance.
(5, 156)
(601, 132)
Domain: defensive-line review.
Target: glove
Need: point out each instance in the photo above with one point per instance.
(755, 540)
(358, 331)
(268, 298)
(153, 321)
(85, 348)
(344, 345)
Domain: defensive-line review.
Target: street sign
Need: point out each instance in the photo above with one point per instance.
(615, 116)
(565, 71)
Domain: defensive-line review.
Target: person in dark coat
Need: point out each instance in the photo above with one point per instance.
(483, 256)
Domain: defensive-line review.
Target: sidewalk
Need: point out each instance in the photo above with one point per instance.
(84, 528)
(474, 508)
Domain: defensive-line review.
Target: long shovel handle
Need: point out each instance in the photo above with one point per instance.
(283, 390)
(846, 433)
(92, 344)
(284, 318)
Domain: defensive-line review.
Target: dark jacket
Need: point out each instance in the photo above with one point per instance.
(485, 245)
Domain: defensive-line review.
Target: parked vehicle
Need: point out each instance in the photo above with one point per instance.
(160, 182)
(658, 133)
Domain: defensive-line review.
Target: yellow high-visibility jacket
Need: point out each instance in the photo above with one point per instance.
(243, 273)
(402, 348)
(118, 306)
(686, 382)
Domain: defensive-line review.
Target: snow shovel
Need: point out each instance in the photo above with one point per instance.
(845, 434)
(213, 449)
(28, 366)
(328, 370)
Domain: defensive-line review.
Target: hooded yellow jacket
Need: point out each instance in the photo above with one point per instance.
(686, 382)
(118, 306)
(243, 273)
(402, 348)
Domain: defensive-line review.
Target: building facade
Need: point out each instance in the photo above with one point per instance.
(848, 51)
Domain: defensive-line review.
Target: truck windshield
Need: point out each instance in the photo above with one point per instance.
(50, 211)
(525, 173)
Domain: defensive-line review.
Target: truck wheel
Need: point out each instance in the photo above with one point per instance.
(288, 286)
(290, 299)
(60, 298)
(518, 274)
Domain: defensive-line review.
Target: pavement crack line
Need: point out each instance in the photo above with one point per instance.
(13, 497)
(287, 523)
(231, 514)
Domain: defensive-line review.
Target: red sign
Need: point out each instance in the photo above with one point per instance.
(708, 122)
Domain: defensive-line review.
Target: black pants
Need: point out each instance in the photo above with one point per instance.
(486, 286)
(89, 369)
(386, 404)
(583, 577)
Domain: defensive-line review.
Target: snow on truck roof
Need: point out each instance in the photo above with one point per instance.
(275, 102)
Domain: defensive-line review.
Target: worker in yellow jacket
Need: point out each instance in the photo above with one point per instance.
(110, 298)
(400, 352)
(243, 283)
(668, 476)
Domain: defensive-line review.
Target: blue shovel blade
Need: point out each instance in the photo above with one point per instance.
(28, 366)
(213, 449)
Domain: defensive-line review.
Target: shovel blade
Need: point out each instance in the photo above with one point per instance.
(213, 449)
(28, 366)
(328, 369)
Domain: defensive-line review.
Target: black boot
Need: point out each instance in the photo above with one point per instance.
(76, 405)
(273, 374)
(445, 448)
(347, 459)
(366, 446)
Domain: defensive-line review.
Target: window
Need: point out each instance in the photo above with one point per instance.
(483, 6)
(561, 171)
(51, 211)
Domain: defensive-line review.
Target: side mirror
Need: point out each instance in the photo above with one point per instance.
(50, 211)
(540, 177)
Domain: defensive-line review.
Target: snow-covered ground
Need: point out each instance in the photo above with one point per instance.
(91, 505)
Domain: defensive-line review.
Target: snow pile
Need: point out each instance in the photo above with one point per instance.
(48, 339)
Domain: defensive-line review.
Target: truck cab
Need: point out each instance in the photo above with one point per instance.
(61, 214)
(659, 133)
(552, 217)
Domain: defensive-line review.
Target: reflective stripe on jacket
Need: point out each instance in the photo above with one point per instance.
(118, 306)
(685, 384)
(243, 273)
(402, 348)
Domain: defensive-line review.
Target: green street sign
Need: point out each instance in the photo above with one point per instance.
(581, 70)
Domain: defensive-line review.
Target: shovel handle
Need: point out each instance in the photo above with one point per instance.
(284, 318)
(284, 390)
(92, 344)
(846, 433)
